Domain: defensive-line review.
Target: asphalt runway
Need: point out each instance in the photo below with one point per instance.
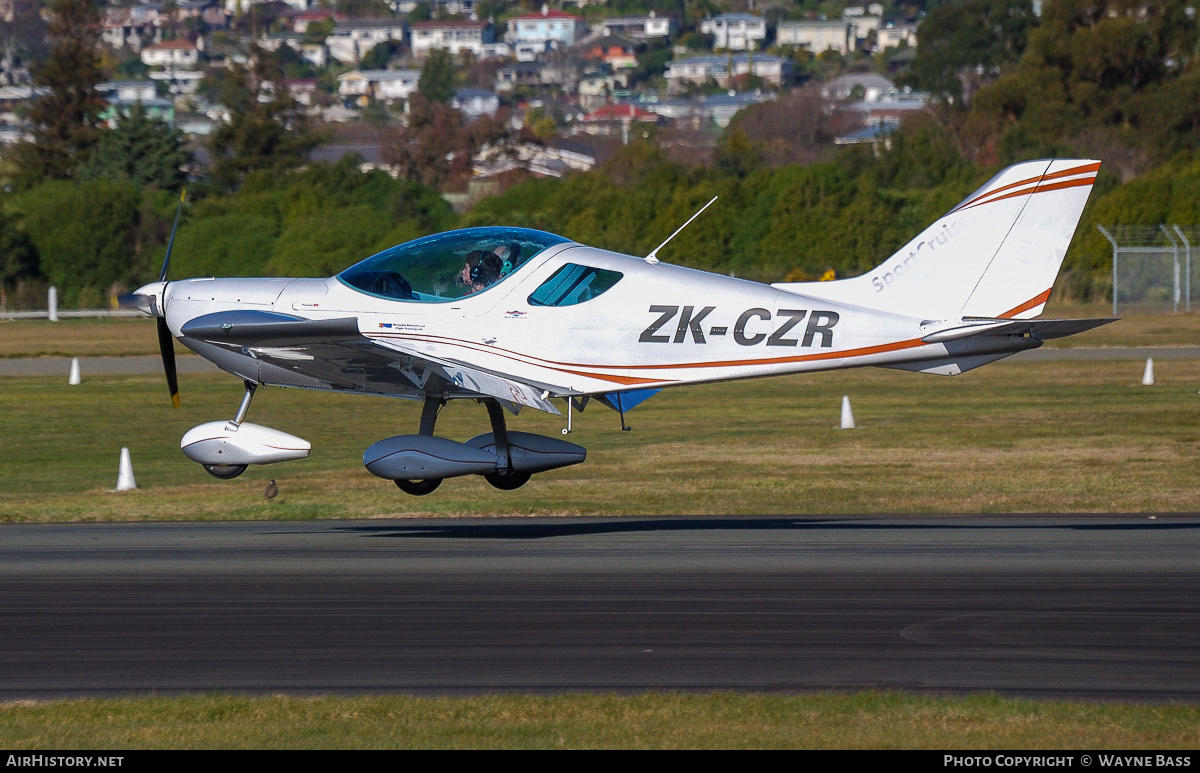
(1091, 607)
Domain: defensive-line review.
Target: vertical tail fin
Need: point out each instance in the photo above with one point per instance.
(994, 255)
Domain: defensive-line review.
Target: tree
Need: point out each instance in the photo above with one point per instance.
(84, 233)
(419, 151)
(65, 117)
(378, 57)
(270, 133)
(142, 149)
(437, 77)
(18, 258)
(964, 45)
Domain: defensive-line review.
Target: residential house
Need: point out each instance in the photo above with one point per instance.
(301, 21)
(131, 27)
(121, 96)
(817, 36)
(474, 103)
(640, 27)
(519, 74)
(615, 119)
(181, 54)
(541, 161)
(303, 90)
(436, 7)
(214, 17)
(179, 81)
(867, 86)
(614, 51)
(698, 69)
(353, 38)
(549, 28)
(384, 85)
(894, 34)
(453, 36)
(735, 31)
(127, 91)
(317, 53)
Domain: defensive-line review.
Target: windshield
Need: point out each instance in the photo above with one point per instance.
(448, 266)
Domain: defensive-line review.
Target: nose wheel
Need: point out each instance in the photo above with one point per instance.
(224, 471)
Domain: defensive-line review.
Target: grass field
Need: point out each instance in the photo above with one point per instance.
(1079, 436)
(1010, 437)
(721, 721)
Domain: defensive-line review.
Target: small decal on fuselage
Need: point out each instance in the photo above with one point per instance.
(784, 323)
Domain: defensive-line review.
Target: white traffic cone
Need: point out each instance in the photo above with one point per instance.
(73, 379)
(1148, 376)
(847, 414)
(125, 481)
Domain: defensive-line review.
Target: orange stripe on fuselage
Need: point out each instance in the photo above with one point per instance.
(568, 367)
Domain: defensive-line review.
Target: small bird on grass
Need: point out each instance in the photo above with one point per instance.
(271, 492)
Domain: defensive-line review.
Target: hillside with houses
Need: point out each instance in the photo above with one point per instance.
(471, 111)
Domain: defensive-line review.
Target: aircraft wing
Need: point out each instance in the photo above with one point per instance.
(284, 350)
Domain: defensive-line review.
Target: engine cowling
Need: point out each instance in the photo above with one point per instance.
(226, 443)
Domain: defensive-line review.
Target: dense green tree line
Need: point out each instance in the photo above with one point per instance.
(87, 237)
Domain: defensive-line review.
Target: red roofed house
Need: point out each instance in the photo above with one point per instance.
(549, 26)
(613, 119)
(613, 50)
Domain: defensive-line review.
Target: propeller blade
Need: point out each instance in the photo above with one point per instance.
(166, 342)
(162, 277)
(166, 347)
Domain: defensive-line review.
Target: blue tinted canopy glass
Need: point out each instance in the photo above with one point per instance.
(574, 284)
(448, 266)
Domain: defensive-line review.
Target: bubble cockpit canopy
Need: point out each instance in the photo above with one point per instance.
(446, 267)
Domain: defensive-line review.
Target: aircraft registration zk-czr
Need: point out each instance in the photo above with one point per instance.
(516, 318)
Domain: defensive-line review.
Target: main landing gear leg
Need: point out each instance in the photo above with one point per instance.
(231, 471)
(504, 478)
(429, 415)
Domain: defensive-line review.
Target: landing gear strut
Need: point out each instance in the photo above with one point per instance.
(429, 414)
(231, 471)
(505, 477)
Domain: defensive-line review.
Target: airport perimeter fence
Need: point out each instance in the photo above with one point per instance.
(52, 312)
(1152, 267)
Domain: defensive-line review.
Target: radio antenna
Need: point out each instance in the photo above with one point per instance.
(653, 256)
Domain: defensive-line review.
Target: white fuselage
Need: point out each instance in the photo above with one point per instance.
(661, 325)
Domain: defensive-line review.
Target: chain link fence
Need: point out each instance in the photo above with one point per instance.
(1152, 267)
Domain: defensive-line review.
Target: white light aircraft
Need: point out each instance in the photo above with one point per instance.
(516, 318)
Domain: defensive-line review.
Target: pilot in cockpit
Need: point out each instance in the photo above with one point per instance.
(484, 268)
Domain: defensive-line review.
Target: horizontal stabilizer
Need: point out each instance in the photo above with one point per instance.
(1040, 329)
